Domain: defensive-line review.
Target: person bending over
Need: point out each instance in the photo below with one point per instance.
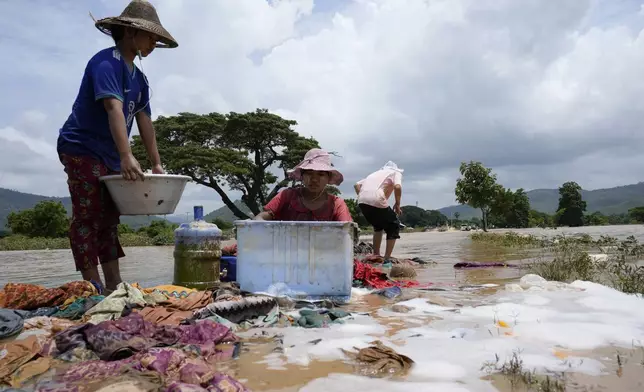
(373, 195)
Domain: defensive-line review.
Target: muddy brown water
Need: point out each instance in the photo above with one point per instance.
(154, 265)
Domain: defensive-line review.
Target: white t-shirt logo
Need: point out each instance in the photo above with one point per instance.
(130, 112)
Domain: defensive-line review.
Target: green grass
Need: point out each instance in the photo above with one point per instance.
(509, 239)
(21, 242)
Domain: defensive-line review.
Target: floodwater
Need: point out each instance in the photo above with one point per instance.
(545, 322)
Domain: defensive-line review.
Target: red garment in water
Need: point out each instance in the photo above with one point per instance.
(288, 206)
(373, 278)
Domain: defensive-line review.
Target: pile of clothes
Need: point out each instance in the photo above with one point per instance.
(170, 338)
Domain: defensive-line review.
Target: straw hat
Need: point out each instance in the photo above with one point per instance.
(317, 160)
(141, 15)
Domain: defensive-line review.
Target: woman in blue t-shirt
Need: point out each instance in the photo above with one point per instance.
(94, 141)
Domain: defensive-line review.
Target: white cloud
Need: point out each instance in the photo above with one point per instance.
(544, 92)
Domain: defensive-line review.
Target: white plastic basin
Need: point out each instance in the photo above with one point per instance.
(313, 258)
(158, 194)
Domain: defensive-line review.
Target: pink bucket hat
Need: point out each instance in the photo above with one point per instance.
(317, 160)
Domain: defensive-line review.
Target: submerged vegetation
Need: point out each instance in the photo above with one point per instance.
(22, 242)
(562, 258)
(521, 379)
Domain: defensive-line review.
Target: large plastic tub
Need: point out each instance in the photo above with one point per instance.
(311, 258)
(158, 194)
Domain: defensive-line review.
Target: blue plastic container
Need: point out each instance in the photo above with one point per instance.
(229, 263)
(197, 253)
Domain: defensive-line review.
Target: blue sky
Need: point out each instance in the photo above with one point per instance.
(543, 93)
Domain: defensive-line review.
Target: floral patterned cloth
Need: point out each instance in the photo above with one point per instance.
(27, 296)
(179, 371)
(112, 340)
(93, 233)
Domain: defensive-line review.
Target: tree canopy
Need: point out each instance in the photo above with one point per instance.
(233, 151)
(637, 214)
(413, 216)
(47, 219)
(510, 209)
(571, 205)
(477, 188)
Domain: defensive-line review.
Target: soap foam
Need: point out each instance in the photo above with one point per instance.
(451, 345)
(347, 382)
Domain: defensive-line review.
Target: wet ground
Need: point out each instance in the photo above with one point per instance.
(297, 364)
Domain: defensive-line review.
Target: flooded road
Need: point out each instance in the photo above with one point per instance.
(154, 265)
(442, 362)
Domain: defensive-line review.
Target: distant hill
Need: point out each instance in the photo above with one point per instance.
(608, 201)
(224, 213)
(18, 201)
(464, 212)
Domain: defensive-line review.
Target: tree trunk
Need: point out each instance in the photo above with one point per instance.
(484, 216)
(277, 188)
(251, 203)
(238, 213)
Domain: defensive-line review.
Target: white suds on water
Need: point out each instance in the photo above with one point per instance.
(552, 326)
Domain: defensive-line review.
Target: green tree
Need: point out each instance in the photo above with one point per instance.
(124, 228)
(21, 222)
(571, 205)
(158, 227)
(521, 213)
(47, 219)
(477, 188)
(501, 207)
(437, 218)
(356, 213)
(457, 215)
(510, 209)
(620, 219)
(637, 214)
(595, 219)
(539, 219)
(234, 151)
(413, 216)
